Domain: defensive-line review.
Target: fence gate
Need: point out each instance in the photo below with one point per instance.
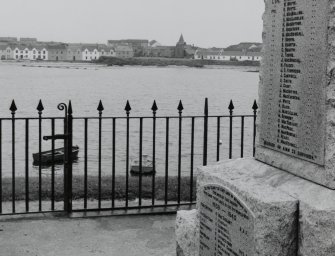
(68, 143)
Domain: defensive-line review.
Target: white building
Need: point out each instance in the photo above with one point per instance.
(26, 52)
(223, 55)
(94, 52)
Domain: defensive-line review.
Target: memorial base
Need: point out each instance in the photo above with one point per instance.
(285, 208)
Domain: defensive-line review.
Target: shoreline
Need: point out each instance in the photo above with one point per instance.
(93, 188)
(95, 65)
(164, 62)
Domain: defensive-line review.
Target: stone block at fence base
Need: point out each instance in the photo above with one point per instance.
(255, 182)
(238, 214)
(187, 233)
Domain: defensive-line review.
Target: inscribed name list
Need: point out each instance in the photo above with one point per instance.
(226, 224)
(294, 78)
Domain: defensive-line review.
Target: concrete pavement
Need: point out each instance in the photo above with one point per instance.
(112, 236)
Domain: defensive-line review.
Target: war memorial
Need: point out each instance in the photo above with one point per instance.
(282, 201)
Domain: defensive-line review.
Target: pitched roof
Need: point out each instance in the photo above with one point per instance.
(3, 46)
(243, 46)
(210, 51)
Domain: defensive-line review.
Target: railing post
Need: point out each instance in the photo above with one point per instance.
(127, 109)
(40, 109)
(180, 112)
(154, 109)
(100, 109)
(254, 107)
(69, 158)
(13, 109)
(205, 133)
(231, 108)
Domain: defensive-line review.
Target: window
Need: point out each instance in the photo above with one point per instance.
(43, 52)
(34, 52)
(17, 51)
(43, 57)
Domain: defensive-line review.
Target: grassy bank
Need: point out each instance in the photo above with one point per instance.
(161, 62)
(93, 186)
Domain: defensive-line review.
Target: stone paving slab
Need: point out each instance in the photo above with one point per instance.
(112, 236)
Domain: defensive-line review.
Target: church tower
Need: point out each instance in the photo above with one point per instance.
(180, 48)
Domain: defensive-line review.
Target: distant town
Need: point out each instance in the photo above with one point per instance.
(12, 48)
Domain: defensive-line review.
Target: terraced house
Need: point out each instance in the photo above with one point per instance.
(6, 52)
(240, 52)
(29, 52)
(95, 51)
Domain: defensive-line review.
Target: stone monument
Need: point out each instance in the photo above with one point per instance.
(282, 202)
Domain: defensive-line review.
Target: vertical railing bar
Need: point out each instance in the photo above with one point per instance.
(113, 165)
(179, 154)
(231, 108)
(140, 162)
(0, 166)
(70, 162)
(99, 168)
(218, 143)
(53, 165)
(27, 166)
(242, 136)
(153, 185)
(85, 161)
(166, 160)
(205, 133)
(127, 161)
(13, 163)
(254, 107)
(192, 160)
(230, 137)
(40, 161)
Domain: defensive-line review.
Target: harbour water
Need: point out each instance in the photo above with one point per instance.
(86, 84)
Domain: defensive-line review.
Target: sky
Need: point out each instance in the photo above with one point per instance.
(205, 23)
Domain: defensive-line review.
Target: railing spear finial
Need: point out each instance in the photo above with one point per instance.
(40, 107)
(154, 108)
(127, 108)
(231, 107)
(255, 106)
(100, 107)
(180, 107)
(13, 107)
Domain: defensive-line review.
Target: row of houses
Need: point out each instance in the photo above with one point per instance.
(239, 52)
(32, 49)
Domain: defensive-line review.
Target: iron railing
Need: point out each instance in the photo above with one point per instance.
(172, 184)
